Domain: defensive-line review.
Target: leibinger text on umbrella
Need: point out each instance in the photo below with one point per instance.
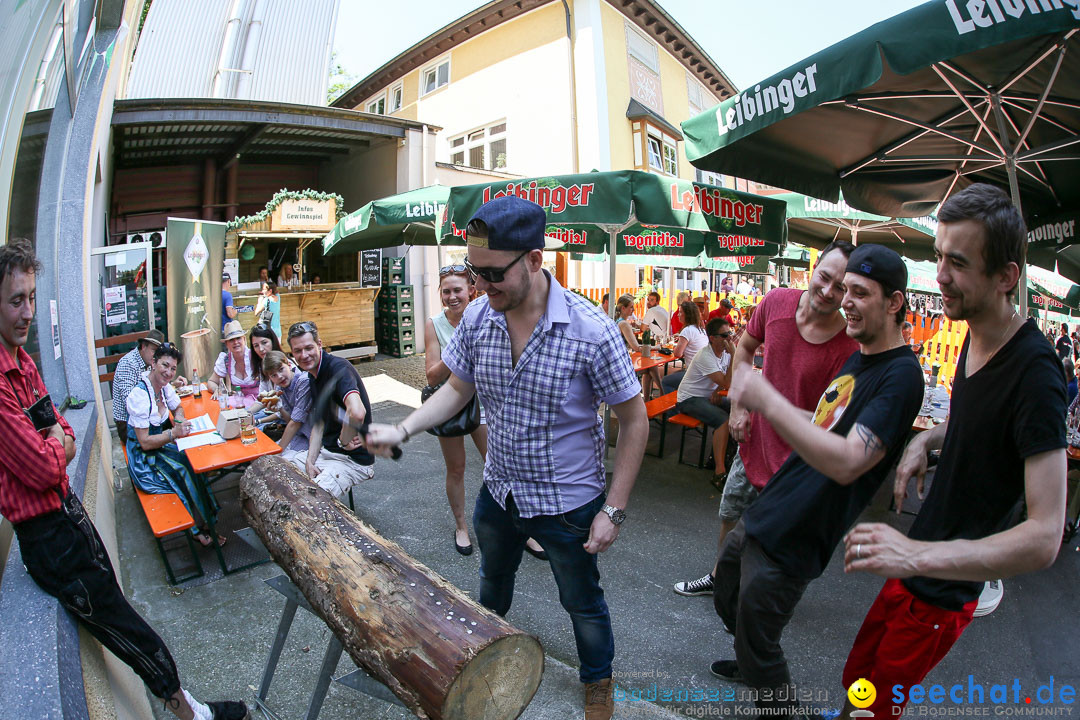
(985, 13)
(781, 96)
(654, 239)
(709, 201)
(556, 198)
(423, 209)
(1058, 231)
(567, 237)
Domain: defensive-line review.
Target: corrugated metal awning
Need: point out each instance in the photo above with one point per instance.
(186, 131)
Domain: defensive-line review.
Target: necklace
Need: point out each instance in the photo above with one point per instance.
(1000, 343)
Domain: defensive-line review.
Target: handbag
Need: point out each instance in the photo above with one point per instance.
(464, 422)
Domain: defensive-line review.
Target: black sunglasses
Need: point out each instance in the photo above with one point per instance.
(301, 328)
(493, 275)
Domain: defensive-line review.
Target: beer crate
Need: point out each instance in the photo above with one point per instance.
(394, 263)
(393, 292)
(392, 277)
(400, 348)
(404, 320)
(393, 334)
(392, 306)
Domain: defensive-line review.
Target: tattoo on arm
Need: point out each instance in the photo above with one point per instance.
(871, 443)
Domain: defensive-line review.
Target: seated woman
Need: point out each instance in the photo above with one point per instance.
(262, 340)
(624, 308)
(236, 367)
(691, 339)
(156, 465)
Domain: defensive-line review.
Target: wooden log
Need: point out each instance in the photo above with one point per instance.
(442, 653)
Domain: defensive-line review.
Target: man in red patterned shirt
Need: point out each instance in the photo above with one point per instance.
(60, 547)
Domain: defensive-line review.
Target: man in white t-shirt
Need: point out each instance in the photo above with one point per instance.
(656, 318)
(700, 392)
(744, 288)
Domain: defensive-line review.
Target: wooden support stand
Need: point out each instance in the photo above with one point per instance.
(440, 652)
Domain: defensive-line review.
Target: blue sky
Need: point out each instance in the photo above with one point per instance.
(749, 39)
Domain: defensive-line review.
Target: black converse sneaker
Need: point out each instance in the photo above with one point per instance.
(701, 586)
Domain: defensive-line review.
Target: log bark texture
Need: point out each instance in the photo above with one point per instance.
(443, 654)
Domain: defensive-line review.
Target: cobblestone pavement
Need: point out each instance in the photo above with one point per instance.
(409, 370)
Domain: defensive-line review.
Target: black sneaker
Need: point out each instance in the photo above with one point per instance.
(701, 586)
(229, 710)
(727, 669)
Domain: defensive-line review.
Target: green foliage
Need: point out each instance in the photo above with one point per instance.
(281, 196)
(341, 80)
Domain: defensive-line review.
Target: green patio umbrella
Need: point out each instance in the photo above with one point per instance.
(793, 256)
(1053, 243)
(407, 218)
(628, 212)
(640, 213)
(905, 112)
(816, 223)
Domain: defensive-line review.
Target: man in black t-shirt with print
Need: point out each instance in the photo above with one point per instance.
(1004, 441)
(336, 458)
(840, 456)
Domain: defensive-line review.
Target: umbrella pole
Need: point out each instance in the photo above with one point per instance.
(1014, 190)
(612, 308)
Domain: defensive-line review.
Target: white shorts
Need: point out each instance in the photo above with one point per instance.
(337, 471)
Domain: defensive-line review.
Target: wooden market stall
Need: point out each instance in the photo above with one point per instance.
(288, 231)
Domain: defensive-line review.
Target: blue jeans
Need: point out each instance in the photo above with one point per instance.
(502, 534)
(670, 382)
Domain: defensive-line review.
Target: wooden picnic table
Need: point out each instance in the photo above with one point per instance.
(641, 364)
(210, 458)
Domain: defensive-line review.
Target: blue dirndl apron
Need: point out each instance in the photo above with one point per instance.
(165, 470)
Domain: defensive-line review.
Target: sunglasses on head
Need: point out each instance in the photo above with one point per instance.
(493, 275)
(302, 327)
(453, 270)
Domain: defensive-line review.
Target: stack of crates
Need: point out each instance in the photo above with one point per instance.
(395, 329)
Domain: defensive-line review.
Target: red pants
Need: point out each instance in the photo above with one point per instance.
(900, 641)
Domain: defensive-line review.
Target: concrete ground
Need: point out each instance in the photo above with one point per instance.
(220, 632)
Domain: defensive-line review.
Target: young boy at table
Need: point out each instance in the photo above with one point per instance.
(294, 407)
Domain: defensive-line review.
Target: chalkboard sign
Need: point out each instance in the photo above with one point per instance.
(370, 262)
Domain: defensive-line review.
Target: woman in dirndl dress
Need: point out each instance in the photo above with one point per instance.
(156, 465)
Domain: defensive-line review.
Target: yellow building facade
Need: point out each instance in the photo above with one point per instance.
(548, 87)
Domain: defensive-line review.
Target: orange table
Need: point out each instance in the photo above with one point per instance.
(223, 455)
(214, 458)
(641, 364)
(1072, 453)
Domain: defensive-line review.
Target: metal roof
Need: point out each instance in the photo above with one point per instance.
(187, 131)
(272, 50)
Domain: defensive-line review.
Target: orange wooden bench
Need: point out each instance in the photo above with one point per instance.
(687, 422)
(166, 515)
(655, 410)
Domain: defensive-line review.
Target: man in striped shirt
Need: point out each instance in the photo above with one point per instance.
(60, 547)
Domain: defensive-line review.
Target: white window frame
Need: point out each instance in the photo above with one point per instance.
(707, 177)
(381, 97)
(653, 62)
(658, 145)
(434, 67)
(399, 90)
(485, 141)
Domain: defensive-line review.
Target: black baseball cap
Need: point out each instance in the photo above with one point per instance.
(512, 223)
(881, 264)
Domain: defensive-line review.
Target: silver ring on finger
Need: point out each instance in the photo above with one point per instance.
(858, 551)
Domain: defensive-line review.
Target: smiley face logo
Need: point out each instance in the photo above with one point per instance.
(862, 693)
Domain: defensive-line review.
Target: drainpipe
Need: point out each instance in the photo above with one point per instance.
(560, 258)
(228, 50)
(251, 50)
(573, 88)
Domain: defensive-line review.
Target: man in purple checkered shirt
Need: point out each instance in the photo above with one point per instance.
(542, 360)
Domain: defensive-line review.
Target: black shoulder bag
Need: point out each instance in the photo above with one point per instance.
(465, 422)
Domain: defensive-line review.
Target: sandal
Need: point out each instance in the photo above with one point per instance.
(204, 539)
